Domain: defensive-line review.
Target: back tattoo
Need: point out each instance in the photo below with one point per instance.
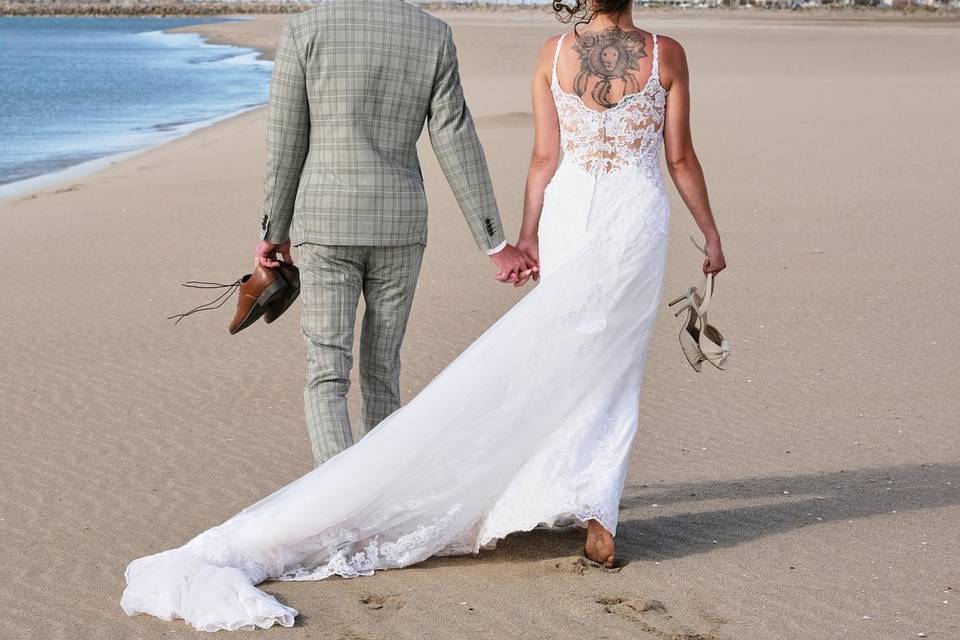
(608, 55)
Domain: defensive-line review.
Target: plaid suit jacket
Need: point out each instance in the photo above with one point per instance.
(353, 83)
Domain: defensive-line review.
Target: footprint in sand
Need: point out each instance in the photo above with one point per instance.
(581, 565)
(73, 187)
(650, 615)
(611, 603)
(376, 602)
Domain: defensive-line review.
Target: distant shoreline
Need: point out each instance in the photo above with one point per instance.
(177, 8)
(162, 8)
(22, 186)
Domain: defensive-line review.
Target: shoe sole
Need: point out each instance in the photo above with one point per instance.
(289, 297)
(260, 306)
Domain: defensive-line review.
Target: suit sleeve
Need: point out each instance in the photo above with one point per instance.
(458, 150)
(288, 137)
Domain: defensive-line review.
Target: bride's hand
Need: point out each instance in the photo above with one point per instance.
(714, 262)
(530, 248)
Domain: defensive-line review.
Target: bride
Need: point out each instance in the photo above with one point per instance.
(550, 444)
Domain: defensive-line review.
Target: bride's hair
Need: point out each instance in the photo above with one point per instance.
(585, 10)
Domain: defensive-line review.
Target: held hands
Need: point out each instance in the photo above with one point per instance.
(530, 248)
(515, 266)
(266, 253)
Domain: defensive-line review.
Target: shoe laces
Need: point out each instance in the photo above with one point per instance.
(216, 303)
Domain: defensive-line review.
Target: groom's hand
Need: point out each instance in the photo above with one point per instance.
(513, 265)
(266, 253)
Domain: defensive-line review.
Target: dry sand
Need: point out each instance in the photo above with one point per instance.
(811, 491)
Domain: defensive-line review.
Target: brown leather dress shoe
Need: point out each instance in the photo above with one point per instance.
(257, 291)
(291, 275)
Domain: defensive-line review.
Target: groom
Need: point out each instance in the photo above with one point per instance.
(353, 83)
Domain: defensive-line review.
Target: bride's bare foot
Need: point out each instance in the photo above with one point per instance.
(599, 546)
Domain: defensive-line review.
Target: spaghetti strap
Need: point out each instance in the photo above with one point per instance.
(556, 56)
(655, 69)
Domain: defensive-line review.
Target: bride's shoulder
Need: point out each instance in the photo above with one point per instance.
(547, 52)
(672, 60)
(549, 46)
(670, 48)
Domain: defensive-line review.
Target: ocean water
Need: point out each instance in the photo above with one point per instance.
(77, 89)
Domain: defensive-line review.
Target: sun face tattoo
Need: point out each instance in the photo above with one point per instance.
(608, 55)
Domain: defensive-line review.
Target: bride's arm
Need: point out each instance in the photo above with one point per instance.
(546, 151)
(681, 159)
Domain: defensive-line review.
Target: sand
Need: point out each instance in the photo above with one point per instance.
(810, 491)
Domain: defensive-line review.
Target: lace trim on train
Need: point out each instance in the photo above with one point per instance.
(347, 556)
(364, 557)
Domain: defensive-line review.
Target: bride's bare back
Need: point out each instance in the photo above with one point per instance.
(604, 66)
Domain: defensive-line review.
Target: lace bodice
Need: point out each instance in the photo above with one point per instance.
(629, 133)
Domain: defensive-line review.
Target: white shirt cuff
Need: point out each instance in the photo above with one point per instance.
(497, 249)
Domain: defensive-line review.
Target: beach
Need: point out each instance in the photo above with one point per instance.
(810, 491)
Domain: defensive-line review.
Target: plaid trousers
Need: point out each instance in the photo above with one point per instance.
(332, 279)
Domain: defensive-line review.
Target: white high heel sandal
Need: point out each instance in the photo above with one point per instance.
(709, 342)
(689, 331)
(713, 345)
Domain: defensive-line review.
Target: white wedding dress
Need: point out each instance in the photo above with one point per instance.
(476, 455)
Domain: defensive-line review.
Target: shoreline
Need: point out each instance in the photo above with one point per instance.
(88, 168)
(214, 33)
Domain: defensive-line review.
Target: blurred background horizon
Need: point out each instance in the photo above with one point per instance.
(85, 80)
